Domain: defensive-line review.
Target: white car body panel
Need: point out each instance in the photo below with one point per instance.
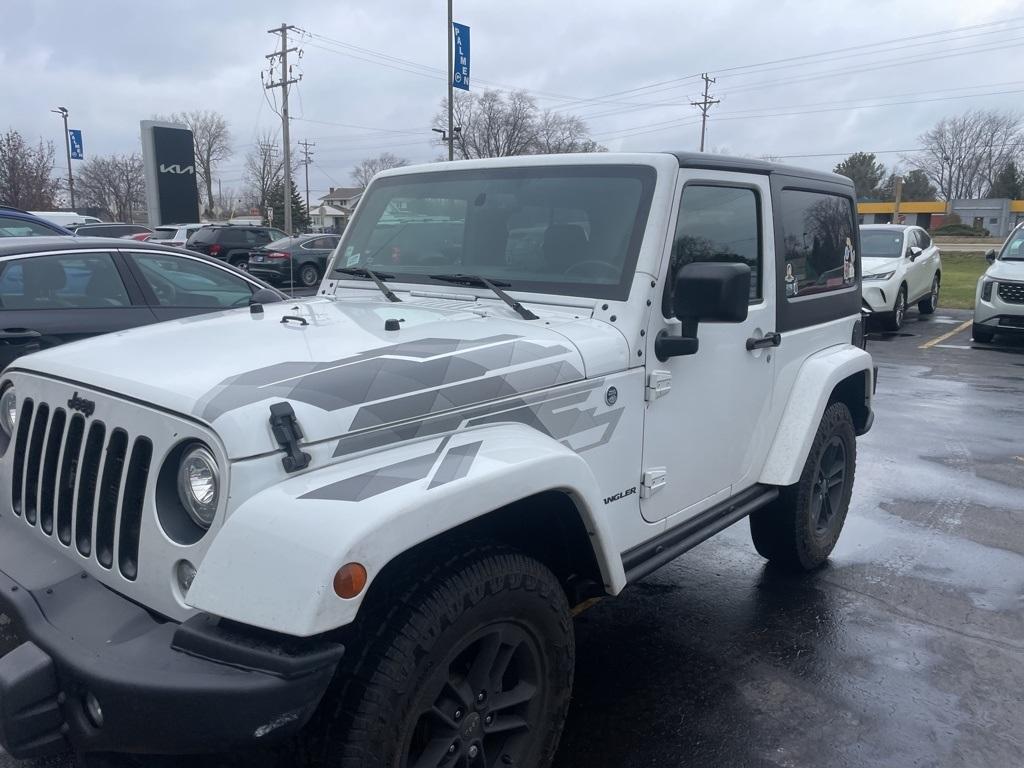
(1007, 293)
(916, 274)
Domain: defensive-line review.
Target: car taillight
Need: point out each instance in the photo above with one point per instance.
(986, 290)
(214, 249)
(277, 256)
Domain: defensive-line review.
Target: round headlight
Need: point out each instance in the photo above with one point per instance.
(199, 485)
(8, 410)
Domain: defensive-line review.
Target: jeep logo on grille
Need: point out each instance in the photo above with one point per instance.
(77, 403)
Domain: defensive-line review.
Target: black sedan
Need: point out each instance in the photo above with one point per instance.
(56, 290)
(297, 261)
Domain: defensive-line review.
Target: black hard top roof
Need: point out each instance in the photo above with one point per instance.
(711, 161)
(10, 246)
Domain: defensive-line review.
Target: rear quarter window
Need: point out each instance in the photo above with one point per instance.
(818, 240)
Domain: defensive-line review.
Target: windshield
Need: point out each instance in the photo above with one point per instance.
(1014, 248)
(164, 233)
(880, 243)
(571, 230)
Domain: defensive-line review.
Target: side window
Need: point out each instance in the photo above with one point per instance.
(183, 282)
(12, 227)
(924, 238)
(912, 240)
(70, 281)
(717, 223)
(818, 238)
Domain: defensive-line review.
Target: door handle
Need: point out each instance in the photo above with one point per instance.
(17, 336)
(770, 339)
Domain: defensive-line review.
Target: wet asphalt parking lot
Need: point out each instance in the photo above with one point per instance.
(907, 649)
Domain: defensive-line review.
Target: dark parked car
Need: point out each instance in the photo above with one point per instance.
(15, 222)
(298, 260)
(231, 242)
(110, 229)
(54, 290)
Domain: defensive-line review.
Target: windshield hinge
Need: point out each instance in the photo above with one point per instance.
(653, 481)
(287, 432)
(659, 383)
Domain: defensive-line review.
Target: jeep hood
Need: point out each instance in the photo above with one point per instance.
(334, 362)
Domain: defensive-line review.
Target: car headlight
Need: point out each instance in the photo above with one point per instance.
(8, 411)
(199, 485)
(986, 294)
(879, 276)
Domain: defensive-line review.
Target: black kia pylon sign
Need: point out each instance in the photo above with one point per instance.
(169, 159)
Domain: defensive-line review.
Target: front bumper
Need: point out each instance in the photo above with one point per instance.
(997, 314)
(162, 687)
(880, 295)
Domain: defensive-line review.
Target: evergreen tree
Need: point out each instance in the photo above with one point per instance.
(865, 170)
(1009, 182)
(300, 216)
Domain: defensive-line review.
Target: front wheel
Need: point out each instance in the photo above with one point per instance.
(799, 529)
(982, 334)
(893, 321)
(930, 303)
(470, 664)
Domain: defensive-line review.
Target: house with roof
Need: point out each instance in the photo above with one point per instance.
(335, 209)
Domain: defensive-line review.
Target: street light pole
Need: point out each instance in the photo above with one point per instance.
(451, 90)
(63, 112)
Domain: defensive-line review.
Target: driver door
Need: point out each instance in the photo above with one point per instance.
(182, 286)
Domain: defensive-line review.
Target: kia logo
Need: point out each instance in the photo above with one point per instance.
(177, 169)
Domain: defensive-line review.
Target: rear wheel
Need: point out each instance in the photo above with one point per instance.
(982, 334)
(242, 263)
(468, 666)
(930, 303)
(309, 275)
(800, 529)
(893, 321)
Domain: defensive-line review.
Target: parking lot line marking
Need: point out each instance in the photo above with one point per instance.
(953, 346)
(939, 339)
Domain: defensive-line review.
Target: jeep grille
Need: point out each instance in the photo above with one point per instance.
(82, 480)
(1012, 293)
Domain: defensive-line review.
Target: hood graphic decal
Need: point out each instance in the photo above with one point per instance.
(375, 375)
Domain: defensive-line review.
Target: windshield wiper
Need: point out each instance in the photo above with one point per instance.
(377, 277)
(483, 282)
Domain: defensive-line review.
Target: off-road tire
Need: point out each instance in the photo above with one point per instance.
(409, 638)
(893, 321)
(930, 303)
(788, 532)
(982, 335)
(308, 276)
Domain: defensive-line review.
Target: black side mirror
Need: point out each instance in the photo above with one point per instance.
(913, 252)
(990, 255)
(711, 292)
(265, 296)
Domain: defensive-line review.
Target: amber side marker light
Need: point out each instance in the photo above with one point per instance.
(349, 580)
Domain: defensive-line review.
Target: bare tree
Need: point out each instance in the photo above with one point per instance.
(558, 133)
(264, 169)
(212, 140)
(493, 124)
(25, 173)
(371, 166)
(115, 184)
(963, 155)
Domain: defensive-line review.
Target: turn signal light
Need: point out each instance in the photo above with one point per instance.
(349, 580)
(214, 249)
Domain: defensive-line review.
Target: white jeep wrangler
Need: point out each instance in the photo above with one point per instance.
(362, 521)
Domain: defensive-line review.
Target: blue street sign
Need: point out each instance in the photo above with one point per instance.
(460, 70)
(75, 137)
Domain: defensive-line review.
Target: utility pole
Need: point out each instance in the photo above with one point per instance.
(283, 83)
(899, 196)
(704, 105)
(451, 90)
(63, 112)
(307, 158)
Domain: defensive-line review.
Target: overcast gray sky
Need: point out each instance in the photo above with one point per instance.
(114, 63)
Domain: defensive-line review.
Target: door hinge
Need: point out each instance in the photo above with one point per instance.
(653, 481)
(659, 383)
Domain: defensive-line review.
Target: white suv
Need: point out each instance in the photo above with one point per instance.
(901, 266)
(999, 302)
(365, 519)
